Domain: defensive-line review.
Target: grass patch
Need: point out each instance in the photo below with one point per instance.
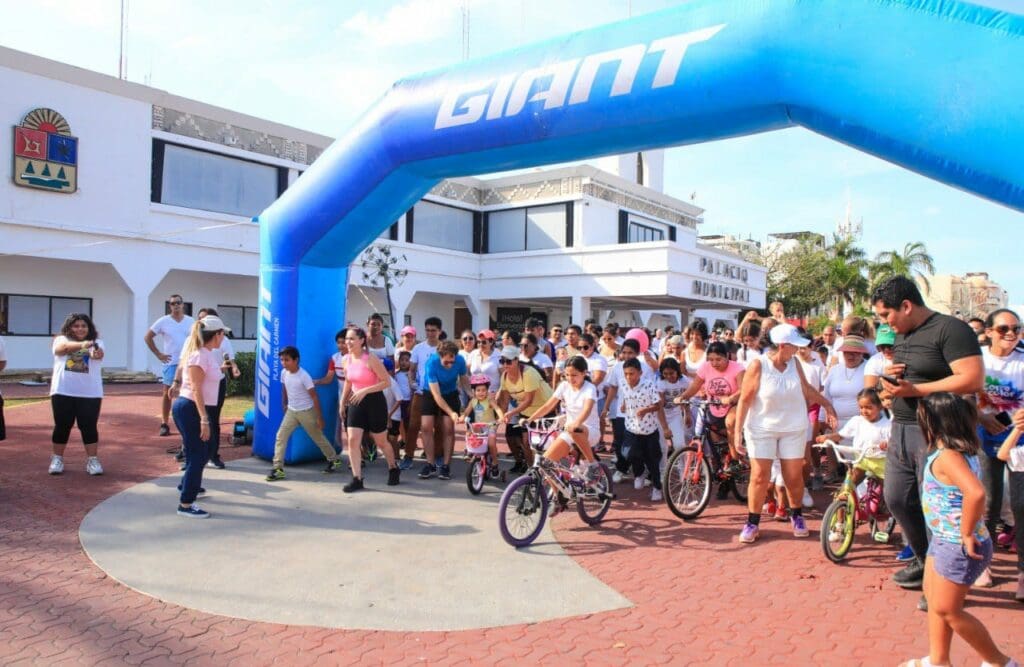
(235, 407)
(15, 402)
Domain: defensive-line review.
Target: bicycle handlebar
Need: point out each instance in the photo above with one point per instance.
(844, 453)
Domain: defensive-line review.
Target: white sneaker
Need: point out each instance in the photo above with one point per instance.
(93, 467)
(56, 465)
(619, 477)
(808, 502)
(638, 483)
(655, 495)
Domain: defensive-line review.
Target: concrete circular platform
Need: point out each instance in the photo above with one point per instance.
(425, 555)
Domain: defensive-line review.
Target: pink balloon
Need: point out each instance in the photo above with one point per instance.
(640, 336)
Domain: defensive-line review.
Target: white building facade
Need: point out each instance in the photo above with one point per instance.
(167, 187)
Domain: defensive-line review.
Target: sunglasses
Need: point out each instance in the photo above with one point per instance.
(524, 345)
(584, 347)
(884, 347)
(1004, 329)
(503, 361)
(176, 303)
(467, 338)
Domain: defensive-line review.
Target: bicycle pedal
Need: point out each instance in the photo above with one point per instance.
(881, 536)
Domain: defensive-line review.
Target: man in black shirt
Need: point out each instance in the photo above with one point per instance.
(933, 353)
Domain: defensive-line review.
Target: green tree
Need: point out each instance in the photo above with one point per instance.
(913, 262)
(797, 278)
(845, 279)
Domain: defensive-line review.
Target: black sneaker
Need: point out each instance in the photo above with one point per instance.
(193, 512)
(393, 475)
(494, 471)
(333, 465)
(518, 468)
(180, 456)
(355, 485)
(723, 492)
(165, 429)
(427, 471)
(446, 472)
(912, 576)
(217, 463)
(275, 475)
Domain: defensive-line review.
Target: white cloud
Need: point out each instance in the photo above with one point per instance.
(412, 23)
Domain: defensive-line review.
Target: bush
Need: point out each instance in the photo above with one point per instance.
(244, 384)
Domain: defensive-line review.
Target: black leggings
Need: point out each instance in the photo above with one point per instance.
(69, 409)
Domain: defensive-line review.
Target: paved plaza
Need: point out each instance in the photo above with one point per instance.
(99, 570)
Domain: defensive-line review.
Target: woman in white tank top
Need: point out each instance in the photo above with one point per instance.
(772, 416)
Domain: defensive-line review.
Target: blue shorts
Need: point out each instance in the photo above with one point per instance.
(951, 561)
(167, 377)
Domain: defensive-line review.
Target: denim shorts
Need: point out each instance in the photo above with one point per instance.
(167, 376)
(951, 561)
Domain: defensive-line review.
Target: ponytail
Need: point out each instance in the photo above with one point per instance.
(197, 337)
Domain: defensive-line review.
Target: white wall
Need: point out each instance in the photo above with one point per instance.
(48, 277)
(598, 224)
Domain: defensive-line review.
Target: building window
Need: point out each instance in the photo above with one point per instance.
(635, 229)
(534, 228)
(241, 320)
(30, 315)
(442, 226)
(199, 179)
(639, 233)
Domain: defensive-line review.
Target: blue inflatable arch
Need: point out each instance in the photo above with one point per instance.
(936, 86)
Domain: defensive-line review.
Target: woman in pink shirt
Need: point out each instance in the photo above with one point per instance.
(719, 379)
(366, 409)
(196, 402)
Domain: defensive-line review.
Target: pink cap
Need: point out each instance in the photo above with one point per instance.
(486, 333)
(408, 329)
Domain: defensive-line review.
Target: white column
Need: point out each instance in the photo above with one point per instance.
(401, 297)
(141, 281)
(480, 309)
(684, 317)
(580, 309)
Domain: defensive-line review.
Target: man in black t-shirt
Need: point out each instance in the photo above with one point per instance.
(933, 353)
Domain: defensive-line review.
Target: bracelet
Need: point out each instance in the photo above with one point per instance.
(204, 421)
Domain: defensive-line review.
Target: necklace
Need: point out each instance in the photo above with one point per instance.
(852, 372)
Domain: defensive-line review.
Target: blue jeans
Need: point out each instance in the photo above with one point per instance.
(197, 451)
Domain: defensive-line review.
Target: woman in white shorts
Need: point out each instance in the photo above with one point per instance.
(772, 416)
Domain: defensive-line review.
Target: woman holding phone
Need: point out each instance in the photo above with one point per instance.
(1002, 396)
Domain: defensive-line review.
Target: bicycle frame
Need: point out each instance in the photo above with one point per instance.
(560, 476)
(708, 446)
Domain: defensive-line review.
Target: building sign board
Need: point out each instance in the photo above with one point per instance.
(45, 153)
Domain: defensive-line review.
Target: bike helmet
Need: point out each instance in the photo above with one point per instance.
(478, 380)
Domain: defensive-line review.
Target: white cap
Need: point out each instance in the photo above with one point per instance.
(214, 323)
(787, 333)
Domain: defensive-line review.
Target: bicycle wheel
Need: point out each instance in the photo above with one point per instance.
(837, 527)
(522, 511)
(741, 480)
(593, 502)
(687, 485)
(475, 475)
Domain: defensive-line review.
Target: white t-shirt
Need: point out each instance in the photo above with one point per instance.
(383, 352)
(298, 385)
(672, 390)
(814, 371)
(76, 374)
(573, 400)
(173, 334)
(403, 392)
(868, 435)
(595, 362)
(1015, 462)
(542, 361)
(615, 378)
(841, 387)
(226, 348)
(745, 355)
(876, 365)
(632, 399)
(1004, 381)
(478, 364)
(419, 357)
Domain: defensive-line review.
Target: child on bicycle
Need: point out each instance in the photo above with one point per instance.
(869, 431)
(953, 501)
(671, 386)
(482, 410)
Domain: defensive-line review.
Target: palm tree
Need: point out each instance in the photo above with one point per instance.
(913, 262)
(846, 265)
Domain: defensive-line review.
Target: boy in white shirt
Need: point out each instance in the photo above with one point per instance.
(640, 401)
(302, 408)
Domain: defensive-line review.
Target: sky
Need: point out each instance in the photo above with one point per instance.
(319, 65)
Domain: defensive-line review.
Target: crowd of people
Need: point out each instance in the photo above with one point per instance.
(936, 404)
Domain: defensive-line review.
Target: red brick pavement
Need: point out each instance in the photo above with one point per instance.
(699, 597)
